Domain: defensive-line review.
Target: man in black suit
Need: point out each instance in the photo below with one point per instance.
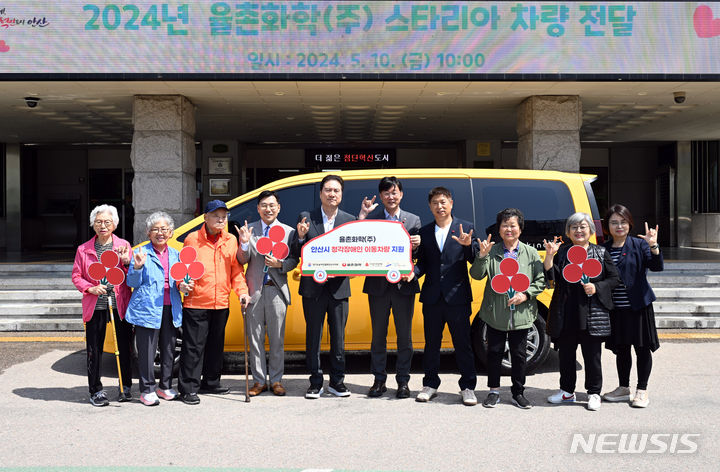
(443, 255)
(329, 298)
(383, 295)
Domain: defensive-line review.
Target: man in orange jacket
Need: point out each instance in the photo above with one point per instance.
(206, 308)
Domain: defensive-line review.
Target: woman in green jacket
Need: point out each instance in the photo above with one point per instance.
(508, 318)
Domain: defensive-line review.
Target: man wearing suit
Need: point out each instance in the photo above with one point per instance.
(329, 298)
(443, 255)
(269, 295)
(383, 295)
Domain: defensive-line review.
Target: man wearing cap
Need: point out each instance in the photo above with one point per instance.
(269, 292)
(206, 307)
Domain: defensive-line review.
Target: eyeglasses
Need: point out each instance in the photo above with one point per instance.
(270, 206)
(103, 223)
(161, 230)
(579, 228)
(618, 223)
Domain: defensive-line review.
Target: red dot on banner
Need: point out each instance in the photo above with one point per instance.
(520, 282)
(188, 254)
(178, 271)
(280, 250)
(276, 233)
(592, 267)
(115, 276)
(264, 245)
(109, 259)
(196, 270)
(96, 271)
(577, 254)
(509, 266)
(500, 283)
(572, 273)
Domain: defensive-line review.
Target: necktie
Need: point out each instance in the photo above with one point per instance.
(266, 277)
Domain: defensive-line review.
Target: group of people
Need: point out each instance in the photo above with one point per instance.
(614, 306)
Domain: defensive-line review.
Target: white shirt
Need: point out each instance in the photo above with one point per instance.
(328, 223)
(441, 235)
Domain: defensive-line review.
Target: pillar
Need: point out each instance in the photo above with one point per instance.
(13, 218)
(548, 128)
(163, 159)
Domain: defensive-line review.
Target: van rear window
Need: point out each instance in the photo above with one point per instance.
(546, 205)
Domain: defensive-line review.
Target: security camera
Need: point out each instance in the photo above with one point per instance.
(31, 102)
(679, 97)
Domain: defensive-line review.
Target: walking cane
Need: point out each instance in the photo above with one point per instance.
(121, 397)
(243, 309)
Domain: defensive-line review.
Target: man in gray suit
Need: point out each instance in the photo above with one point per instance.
(269, 294)
(329, 298)
(383, 295)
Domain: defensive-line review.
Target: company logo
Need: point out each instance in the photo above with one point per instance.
(634, 443)
(706, 25)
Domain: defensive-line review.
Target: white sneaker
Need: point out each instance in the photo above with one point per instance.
(468, 397)
(641, 399)
(426, 394)
(620, 394)
(168, 394)
(561, 397)
(149, 399)
(594, 402)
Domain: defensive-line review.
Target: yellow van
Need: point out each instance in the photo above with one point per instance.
(546, 198)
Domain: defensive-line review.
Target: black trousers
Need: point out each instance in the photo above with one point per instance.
(146, 340)
(201, 356)
(623, 361)
(94, 341)
(591, 347)
(517, 342)
(457, 318)
(315, 310)
(402, 308)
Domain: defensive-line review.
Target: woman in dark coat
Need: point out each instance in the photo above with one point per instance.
(633, 319)
(579, 312)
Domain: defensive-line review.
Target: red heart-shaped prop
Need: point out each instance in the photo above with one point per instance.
(509, 266)
(281, 250)
(706, 26)
(572, 273)
(196, 270)
(500, 283)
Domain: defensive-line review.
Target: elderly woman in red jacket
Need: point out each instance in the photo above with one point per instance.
(104, 219)
(633, 319)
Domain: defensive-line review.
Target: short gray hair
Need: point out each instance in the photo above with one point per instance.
(157, 216)
(577, 219)
(104, 209)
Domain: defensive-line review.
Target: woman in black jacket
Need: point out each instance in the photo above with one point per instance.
(633, 319)
(579, 311)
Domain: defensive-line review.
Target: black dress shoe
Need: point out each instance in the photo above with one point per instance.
(219, 390)
(189, 398)
(403, 391)
(377, 389)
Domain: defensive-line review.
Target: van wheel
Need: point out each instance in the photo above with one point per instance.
(538, 346)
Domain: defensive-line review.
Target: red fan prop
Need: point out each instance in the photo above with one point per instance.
(107, 271)
(188, 268)
(509, 281)
(272, 244)
(581, 269)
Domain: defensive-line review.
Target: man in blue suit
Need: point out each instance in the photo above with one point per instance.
(329, 298)
(445, 250)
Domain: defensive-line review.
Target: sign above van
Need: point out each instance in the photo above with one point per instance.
(331, 39)
(334, 158)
